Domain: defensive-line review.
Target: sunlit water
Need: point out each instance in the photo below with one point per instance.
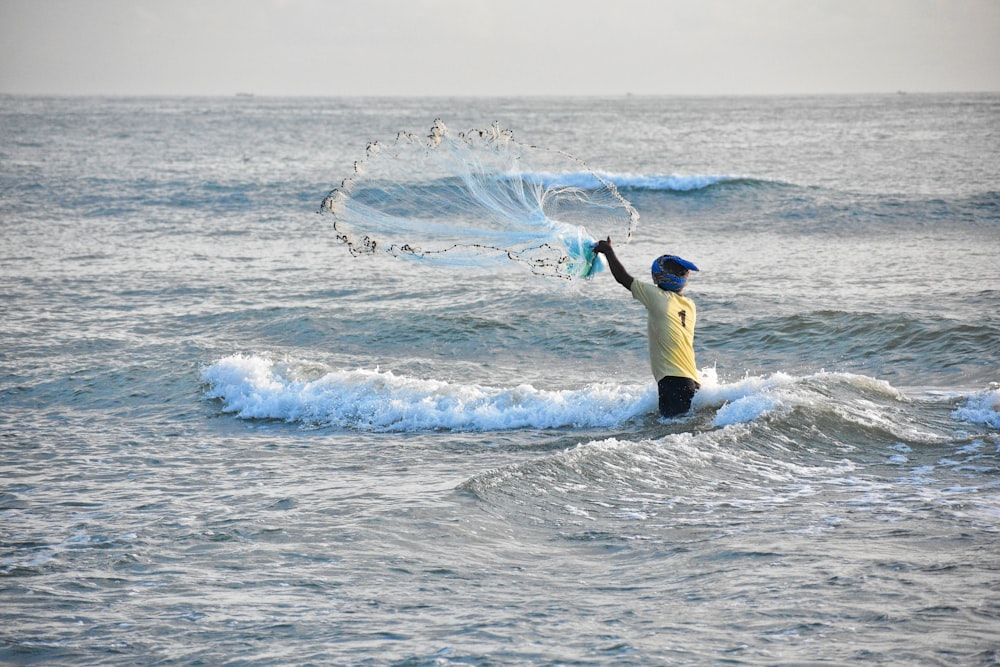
(229, 440)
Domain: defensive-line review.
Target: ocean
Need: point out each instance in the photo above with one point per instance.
(232, 438)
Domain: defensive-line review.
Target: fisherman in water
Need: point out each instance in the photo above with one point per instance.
(670, 326)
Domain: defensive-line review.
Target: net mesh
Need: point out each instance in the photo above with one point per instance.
(477, 198)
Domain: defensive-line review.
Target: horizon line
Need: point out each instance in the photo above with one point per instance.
(251, 95)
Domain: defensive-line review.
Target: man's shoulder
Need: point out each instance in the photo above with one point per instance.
(641, 290)
(649, 290)
(639, 286)
(649, 295)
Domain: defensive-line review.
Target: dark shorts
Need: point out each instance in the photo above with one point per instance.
(675, 395)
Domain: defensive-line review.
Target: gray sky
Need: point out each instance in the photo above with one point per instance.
(497, 47)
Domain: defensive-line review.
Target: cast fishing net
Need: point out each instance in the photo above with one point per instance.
(475, 199)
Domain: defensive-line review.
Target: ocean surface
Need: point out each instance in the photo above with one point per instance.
(230, 438)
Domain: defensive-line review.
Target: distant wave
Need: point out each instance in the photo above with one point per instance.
(257, 387)
(586, 180)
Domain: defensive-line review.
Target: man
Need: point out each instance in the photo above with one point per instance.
(670, 326)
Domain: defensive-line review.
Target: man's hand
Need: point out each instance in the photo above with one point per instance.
(617, 270)
(603, 246)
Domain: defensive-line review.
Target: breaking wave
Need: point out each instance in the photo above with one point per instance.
(312, 395)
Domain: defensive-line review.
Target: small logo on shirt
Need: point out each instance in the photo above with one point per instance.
(683, 315)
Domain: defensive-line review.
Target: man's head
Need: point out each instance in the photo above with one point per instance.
(670, 272)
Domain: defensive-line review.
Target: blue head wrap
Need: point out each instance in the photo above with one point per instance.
(672, 283)
(665, 278)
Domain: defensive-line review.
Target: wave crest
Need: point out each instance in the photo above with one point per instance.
(845, 407)
(256, 387)
(651, 182)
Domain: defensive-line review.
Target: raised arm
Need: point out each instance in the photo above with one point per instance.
(617, 269)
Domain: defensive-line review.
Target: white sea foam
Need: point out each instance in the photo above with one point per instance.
(744, 400)
(980, 408)
(850, 398)
(255, 387)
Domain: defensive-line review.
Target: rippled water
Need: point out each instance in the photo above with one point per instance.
(229, 441)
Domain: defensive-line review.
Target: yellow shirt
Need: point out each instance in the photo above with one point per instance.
(670, 329)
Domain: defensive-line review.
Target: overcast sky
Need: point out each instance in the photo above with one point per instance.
(497, 47)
